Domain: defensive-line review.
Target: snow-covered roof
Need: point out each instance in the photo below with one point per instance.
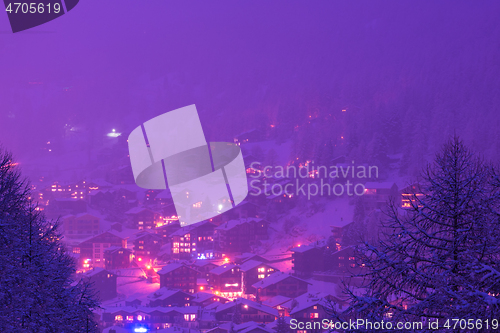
(171, 267)
(305, 248)
(275, 278)
(202, 263)
(111, 232)
(185, 230)
(212, 306)
(250, 264)
(307, 300)
(276, 300)
(95, 271)
(247, 256)
(202, 297)
(250, 303)
(222, 269)
(256, 326)
(163, 293)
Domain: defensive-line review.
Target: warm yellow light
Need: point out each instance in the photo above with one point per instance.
(140, 259)
(201, 288)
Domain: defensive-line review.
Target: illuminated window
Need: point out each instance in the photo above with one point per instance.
(139, 318)
(261, 269)
(261, 276)
(130, 318)
(315, 307)
(186, 317)
(193, 317)
(352, 258)
(314, 315)
(76, 250)
(119, 318)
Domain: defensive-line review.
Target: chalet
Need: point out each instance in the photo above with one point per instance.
(142, 218)
(167, 229)
(239, 259)
(104, 283)
(178, 276)
(154, 318)
(117, 257)
(280, 284)
(100, 198)
(169, 297)
(279, 303)
(203, 299)
(146, 245)
(252, 272)
(226, 279)
(204, 267)
(194, 241)
(314, 306)
(411, 196)
(240, 235)
(308, 258)
(249, 310)
(344, 260)
(134, 300)
(60, 190)
(92, 249)
(377, 195)
(80, 226)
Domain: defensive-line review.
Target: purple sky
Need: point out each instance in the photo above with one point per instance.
(243, 60)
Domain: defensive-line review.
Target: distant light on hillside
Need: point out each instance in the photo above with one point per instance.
(114, 134)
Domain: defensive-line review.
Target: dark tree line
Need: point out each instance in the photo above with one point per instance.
(37, 292)
(440, 259)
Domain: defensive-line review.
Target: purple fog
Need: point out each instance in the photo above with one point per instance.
(370, 138)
